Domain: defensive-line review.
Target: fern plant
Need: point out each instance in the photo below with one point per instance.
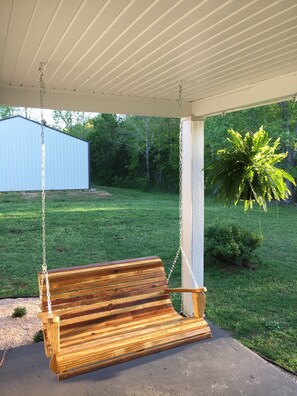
(246, 170)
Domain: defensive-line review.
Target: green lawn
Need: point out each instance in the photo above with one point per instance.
(257, 307)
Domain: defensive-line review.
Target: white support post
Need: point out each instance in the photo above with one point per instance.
(192, 205)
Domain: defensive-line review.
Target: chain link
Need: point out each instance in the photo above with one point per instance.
(45, 279)
(180, 249)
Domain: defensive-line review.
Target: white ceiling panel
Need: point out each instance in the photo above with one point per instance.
(143, 49)
(221, 71)
(217, 47)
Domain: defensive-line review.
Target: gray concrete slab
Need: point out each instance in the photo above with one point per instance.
(219, 366)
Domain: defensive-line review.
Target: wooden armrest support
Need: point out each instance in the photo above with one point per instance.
(198, 298)
(185, 290)
(51, 330)
(44, 316)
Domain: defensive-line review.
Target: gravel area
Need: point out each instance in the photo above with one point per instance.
(18, 331)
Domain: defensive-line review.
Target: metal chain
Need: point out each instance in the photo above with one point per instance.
(179, 104)
(180, 249)
(189, 267)
(44, 264)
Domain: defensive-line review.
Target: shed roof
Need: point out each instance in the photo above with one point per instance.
(46, 126)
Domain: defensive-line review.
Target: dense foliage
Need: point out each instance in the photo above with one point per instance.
(245, 170)
(142, 152)
(231, 243)
(134, 152)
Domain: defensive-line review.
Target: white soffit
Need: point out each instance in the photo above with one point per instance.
(128, 56)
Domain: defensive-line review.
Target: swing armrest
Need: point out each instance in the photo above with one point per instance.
(44, 316)
(198, 299)
(186, 290)
(51, 332)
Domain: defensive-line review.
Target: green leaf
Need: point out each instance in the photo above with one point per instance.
(245, 170)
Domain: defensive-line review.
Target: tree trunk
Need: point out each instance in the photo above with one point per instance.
(292, 154)
(147, 148)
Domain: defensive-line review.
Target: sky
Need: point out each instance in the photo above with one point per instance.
(34, 114)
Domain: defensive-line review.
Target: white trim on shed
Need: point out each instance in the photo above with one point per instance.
(67, 158)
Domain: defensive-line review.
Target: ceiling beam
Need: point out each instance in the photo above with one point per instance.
(274, 90)
(269, 91)
(76, 101)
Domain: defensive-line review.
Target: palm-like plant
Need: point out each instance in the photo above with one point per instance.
(246, 170)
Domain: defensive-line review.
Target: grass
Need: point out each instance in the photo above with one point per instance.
(257, 307)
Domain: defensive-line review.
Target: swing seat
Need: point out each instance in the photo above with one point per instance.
(104, 314)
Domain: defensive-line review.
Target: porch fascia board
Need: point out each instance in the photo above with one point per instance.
(265, 92)
(269, 91)
(77, 101)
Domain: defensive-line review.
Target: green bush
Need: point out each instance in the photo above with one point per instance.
(38, 336)
(230, 243)
(19, 312)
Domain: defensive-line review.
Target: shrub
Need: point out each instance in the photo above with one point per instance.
(38, 336)
(230, 243)
(19, 312)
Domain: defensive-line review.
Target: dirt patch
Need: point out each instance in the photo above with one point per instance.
(30, 195)
(78, 194)
(102, 194)
(18, 331)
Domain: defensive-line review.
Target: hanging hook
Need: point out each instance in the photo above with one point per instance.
(41, 70)
(41, 82)
(180, 89)
(179, 100)
(41, 67)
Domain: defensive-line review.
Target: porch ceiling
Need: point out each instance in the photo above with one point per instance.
(128, 56)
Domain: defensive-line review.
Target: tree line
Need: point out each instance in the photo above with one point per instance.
(143, 152)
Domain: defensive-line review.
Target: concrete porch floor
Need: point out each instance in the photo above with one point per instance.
(219, 366)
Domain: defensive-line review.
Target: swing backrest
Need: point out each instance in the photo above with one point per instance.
(107, 292)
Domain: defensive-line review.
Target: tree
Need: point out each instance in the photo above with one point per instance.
(6, 111)
(152, 145)
(105, 148)
(10, 111)
(72, 122)
(134, 151)
(288, 119)
(166, 154)
(139, 135)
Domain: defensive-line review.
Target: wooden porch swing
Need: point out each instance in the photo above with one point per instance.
(98, 315)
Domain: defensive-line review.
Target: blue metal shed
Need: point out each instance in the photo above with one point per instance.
(67, 157)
